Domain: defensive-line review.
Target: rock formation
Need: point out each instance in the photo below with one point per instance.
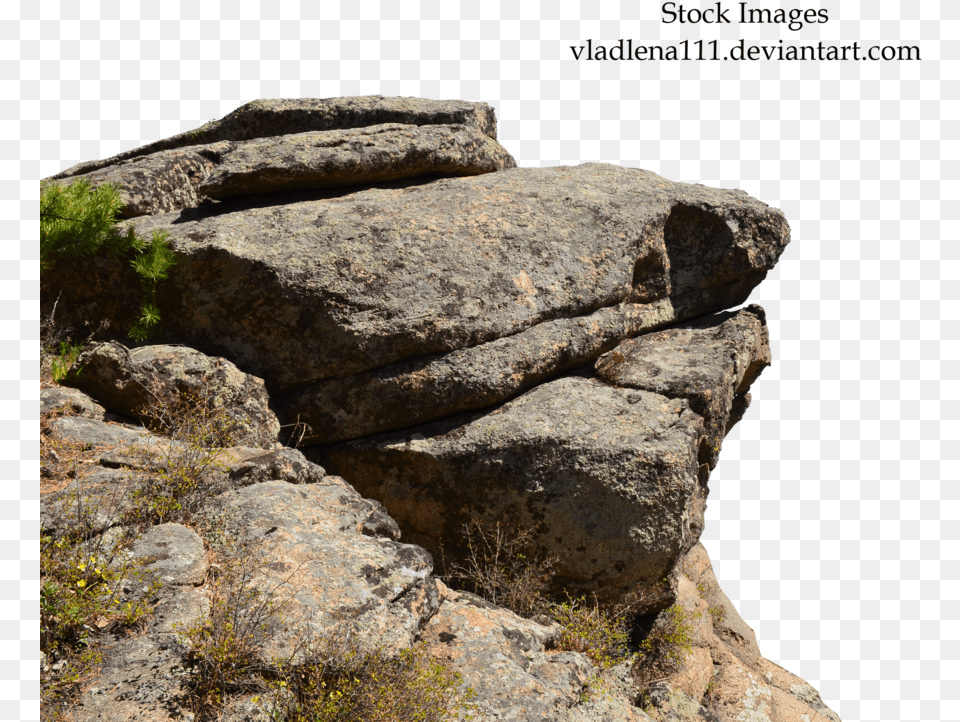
(450, 339)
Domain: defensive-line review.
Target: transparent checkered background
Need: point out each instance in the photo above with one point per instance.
(832, 520)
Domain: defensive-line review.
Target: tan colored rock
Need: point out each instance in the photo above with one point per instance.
(506, 661)
(612, 466)
(304, 290)
(711, 362)
(284, 116)
(134, 381)
(724, 678)
(326, 159)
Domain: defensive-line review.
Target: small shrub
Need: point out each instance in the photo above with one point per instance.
(341, 682)
(330, 678)
(89, 587)
(502, 567)
(602, 635)
(718, 613)
(667, 645)
(186, 470)
(225, 649)
(61, 363)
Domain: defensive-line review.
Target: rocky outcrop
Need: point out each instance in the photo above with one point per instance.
(725, 677)
(440, 297)
(270, 118)
(173, 180)
(610, 464)
(454, 340)
(160, 377)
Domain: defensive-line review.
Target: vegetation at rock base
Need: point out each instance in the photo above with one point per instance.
(89, 587)
(340, 682)
(77, 222)
(92, 590)
(666, 646)
(330, 677)
(502, 566)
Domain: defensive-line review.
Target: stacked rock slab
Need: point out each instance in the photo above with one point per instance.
(611, 463)
(283, 145)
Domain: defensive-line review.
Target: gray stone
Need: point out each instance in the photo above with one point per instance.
(724, 677)
(508, 663)
(610, 477)
(614, 475)
(284, 116)
(141, 680)
(72, 401)
(148, 382)
(173, 554)
(95, 432)
(711, 362)
(173, 180)
(355, 283)
(312, 552)
(326, 159)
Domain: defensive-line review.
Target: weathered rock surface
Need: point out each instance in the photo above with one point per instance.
(506, 660)
(710, 362)
(131, 381)
(318, 289)
(287, 116)
(725, 677)
(318, 556)
(522, 346)
(431, 387)
(72, 401)
(172, 180)
(614, 475)
(324, 159)
(173, 554)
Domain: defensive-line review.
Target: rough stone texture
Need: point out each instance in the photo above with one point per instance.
(172, 180)
(614, 475)
(736, 634)
(431, 387)
(371, 309)
(141, 680)
(725, 678)
(505, 660)
(324, 159)
(98, 496)
(173, 554)
(311, 541)
(72, 401)
(161, 182)
(711, 362)
(611, 477)
(303, 291)
(131, 381)
(284, 116)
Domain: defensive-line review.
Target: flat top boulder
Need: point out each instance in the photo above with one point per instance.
(283, 116)
(308, 290)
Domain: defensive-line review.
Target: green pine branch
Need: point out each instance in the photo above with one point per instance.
(77, 221)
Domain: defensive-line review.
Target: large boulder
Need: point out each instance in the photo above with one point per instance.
(410, 294)
(611, 464)
(172, 180)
